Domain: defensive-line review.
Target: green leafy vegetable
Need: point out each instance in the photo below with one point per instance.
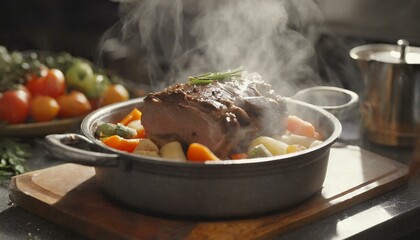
(13, 155)
(207, 78)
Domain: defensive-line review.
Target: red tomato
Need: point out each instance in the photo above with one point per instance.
(49, 82)
(23, 88)
(35, 81)
(73, 104)
(43, 108)
(54, 83)
(14, 106)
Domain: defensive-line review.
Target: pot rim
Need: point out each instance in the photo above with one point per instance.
(91, 118)
(366, 52)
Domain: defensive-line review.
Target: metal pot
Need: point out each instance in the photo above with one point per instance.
(391, 100)
(335, 100)
(230, 188)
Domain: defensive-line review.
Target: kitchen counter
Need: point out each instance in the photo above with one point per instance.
(393, 215)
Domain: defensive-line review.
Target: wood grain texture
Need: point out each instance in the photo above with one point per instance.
(68, 195)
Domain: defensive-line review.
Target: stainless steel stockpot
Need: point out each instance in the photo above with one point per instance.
(214, 189)
(390, 103)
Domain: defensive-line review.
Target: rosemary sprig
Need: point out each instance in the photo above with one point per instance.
(210, 77)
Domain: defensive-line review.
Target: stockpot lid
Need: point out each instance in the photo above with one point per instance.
(401, 53)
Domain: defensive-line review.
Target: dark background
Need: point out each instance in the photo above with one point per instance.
(77, 27)
(74, 26)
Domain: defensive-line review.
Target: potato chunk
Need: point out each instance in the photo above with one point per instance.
(173, 151)
(275, 147)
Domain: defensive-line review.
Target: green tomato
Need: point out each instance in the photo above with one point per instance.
(97, 86)
(80, 76)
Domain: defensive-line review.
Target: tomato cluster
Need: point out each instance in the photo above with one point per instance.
(47, 95)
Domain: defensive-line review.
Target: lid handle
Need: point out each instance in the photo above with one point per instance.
(402, 44)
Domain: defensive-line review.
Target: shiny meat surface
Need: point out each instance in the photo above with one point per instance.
(223, 115)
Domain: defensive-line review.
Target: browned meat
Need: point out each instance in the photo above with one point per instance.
(223, 115)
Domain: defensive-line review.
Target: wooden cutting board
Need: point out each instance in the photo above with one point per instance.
(68, 195)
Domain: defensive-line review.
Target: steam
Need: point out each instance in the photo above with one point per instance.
(171, 40)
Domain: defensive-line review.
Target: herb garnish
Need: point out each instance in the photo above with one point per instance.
(207, 78)
(13, 155)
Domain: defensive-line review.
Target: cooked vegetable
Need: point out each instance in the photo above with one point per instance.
(133, 120)
(146, 145)
(259, 151)
(274, 146)
(315, 143)
(295, 148)
(130, 127)
(293, 139)
(146, 153)
(299, 126)
(109, 129)
(147, 148)
(207, 78)
(136, 124)
(238, 156)
(173, 151)
(120, 143)
(141, 132)
(135, 114)
(199, 153)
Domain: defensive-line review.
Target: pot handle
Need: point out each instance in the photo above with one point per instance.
(58, 145)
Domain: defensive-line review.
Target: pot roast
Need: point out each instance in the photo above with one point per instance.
(223, 115)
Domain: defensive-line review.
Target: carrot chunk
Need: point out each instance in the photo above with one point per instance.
(299, 126)
(135, 114)
(141, 133)
(238, 156)
(120, 143)
(199, 153)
